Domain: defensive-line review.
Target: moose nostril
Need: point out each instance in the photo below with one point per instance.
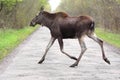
(31, 24)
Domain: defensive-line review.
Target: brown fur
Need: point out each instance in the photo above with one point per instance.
(60, 24)
(63, 26)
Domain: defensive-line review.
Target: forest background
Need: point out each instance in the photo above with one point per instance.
(15, 16)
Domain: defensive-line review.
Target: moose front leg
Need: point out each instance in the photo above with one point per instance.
(60, 41)
(48, 47)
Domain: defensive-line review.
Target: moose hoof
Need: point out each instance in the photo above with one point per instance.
(73, 65)
(107, 61)
(41, 61)
(73, 58)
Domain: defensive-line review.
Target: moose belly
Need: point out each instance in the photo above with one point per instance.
(68, 33)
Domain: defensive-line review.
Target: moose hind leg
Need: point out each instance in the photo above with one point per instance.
(83, 49)
(100, 42)
(48, 47)
(60, 41)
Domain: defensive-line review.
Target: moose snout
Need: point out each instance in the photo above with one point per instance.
(32, 24)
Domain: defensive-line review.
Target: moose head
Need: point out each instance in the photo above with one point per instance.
(38, 18)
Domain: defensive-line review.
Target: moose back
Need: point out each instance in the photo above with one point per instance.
(62, 26)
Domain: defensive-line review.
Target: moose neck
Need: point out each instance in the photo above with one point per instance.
(48, 19)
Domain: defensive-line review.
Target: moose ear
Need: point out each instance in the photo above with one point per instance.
(42, 8)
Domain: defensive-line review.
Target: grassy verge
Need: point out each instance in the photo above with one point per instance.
(109, 37)
(10, 38)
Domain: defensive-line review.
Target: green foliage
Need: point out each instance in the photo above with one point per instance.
(10, 38)
(111, 38)
(76, 7)
(45, 4)
(42, 2)
(9, 4)
(105, 12)
(19, 13)
(29, 10)
(118, 1)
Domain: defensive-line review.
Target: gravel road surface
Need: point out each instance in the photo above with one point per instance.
(21, 64)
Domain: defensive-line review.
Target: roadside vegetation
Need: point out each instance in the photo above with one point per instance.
(11, 38)
(109, 37)
(15, 15)
(105, 13)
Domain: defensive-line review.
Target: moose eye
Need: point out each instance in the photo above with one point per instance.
(40, 13)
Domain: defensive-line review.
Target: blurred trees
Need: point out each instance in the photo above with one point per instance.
(105, 12)
(18, 13)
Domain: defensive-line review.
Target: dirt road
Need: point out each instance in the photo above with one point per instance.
(23, 65)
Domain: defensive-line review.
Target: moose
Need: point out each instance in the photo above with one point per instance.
(62, 26)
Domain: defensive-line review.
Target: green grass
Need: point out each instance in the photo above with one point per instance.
(10, 38)
(109, 37)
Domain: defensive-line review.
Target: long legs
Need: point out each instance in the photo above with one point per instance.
(100, 42)
(83, 49)
(61, 48)
(48, 47)
(60, 41)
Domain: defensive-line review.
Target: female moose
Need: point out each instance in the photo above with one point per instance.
(63, 26)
